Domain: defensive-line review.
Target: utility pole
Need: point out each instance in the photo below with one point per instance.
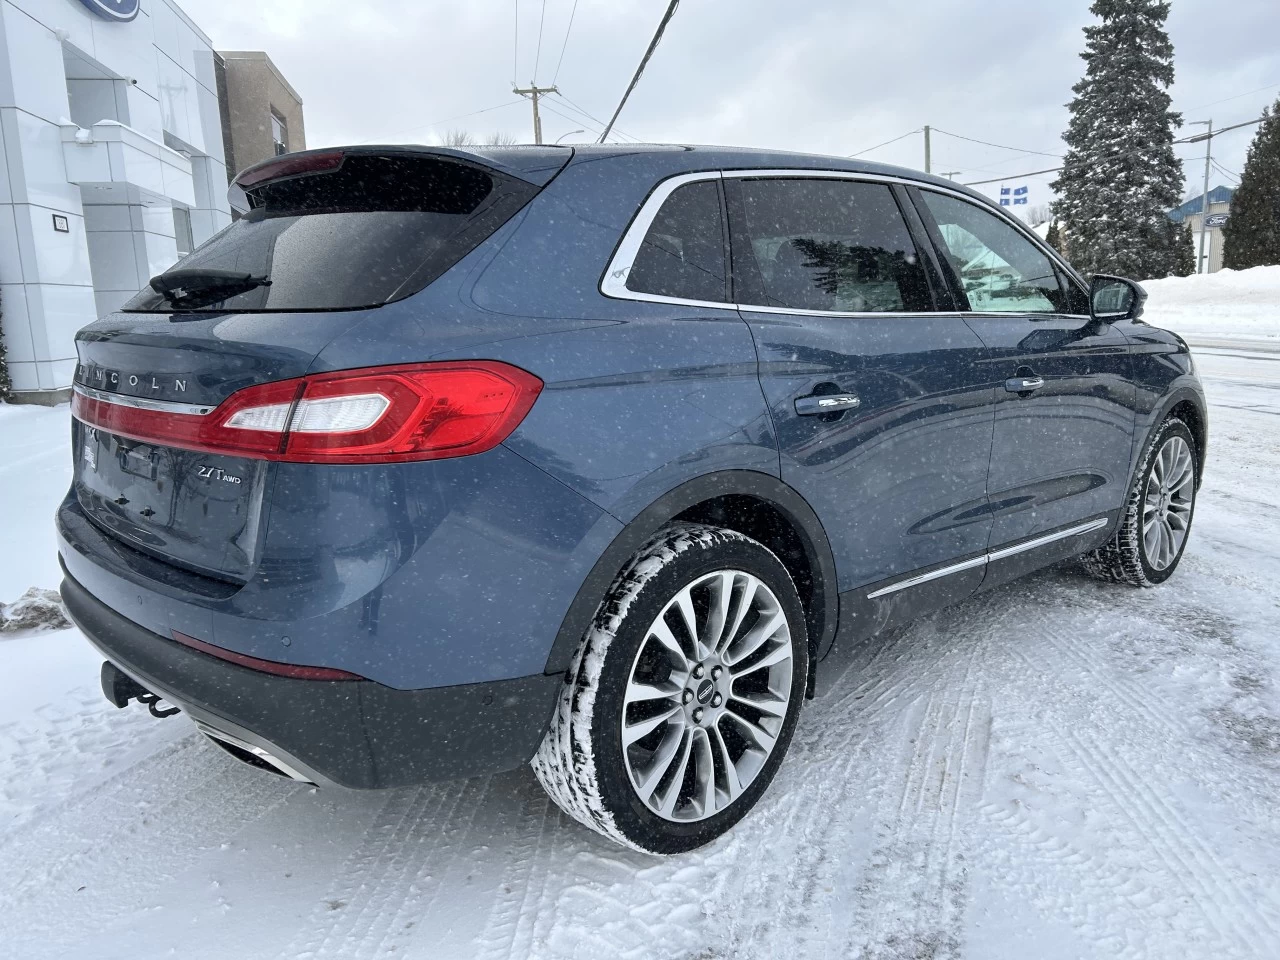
(533, 91)
(928, 158)
(950, 174)
(1203, 263)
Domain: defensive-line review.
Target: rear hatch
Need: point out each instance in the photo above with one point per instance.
(327, 237)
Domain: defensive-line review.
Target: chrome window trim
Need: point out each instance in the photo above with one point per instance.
(614, 282)
(989, 557)
(145, 403)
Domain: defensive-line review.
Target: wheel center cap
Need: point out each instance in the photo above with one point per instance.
(705, 689)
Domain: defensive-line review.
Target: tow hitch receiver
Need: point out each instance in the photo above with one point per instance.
(120, 688)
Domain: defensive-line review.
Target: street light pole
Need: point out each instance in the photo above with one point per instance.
(1202, 265)
(569, 134)
(928, 151)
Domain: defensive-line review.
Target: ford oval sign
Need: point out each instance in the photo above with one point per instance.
(1217, 219)
(121, 11)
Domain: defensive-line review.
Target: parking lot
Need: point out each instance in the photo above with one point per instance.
(1057, 769)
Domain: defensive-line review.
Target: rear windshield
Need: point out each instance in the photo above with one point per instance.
(377, 229)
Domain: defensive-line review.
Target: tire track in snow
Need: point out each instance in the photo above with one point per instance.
(509, 930)
(111, 849)
(1188, 858)
(396, 874)
(1160, 722)
(912, 898)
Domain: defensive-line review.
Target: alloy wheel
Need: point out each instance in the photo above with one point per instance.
(1167, 504)
(707, 696)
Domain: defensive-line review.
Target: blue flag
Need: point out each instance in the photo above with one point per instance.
(1021, 191)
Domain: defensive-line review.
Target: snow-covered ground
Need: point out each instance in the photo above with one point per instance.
(1059, 769)
(1230, 303)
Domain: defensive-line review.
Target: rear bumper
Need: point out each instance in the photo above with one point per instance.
(354, 733)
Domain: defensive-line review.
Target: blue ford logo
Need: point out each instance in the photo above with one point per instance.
(119, 10)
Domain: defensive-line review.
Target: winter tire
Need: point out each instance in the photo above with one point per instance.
(1156, 522)
(681, 700)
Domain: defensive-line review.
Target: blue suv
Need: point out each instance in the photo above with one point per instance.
(437, 462)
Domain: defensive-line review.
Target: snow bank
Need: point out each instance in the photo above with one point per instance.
(1230, 303)
(36, 609)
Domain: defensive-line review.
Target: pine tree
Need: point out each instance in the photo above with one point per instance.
(1120, 175)
(1184, 251)
(1251, 237)
(1054, 237)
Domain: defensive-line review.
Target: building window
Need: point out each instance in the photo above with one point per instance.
(182, 230)
(279, 134)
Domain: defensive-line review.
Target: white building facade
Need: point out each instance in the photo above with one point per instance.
(111, 140)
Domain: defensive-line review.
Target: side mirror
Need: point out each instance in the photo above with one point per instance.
(1115, 298)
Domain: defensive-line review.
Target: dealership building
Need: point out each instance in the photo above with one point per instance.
(113, 140)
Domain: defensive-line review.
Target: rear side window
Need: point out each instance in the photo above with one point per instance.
(829, 245)
(376, 229)
(1000, 269)
(682, 254)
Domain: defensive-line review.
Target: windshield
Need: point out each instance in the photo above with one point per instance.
(375, 230)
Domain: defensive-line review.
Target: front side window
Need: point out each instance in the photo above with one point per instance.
(830, 245)
(682, 254)
(1001, 270)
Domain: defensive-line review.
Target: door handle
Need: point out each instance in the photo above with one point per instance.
(1023, 384)
(826, 403)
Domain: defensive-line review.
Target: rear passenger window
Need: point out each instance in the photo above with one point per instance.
(830, 245)
(682, 254)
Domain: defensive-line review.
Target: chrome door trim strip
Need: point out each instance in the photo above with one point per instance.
(1046, 539)
(145, 403)
(989, 557)
(926, 577)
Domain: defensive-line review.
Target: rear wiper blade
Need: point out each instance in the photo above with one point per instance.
(183, 286)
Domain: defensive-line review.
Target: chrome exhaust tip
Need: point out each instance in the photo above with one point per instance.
(251, 753)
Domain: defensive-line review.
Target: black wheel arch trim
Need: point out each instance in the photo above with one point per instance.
(1176, 397)
(822, 612)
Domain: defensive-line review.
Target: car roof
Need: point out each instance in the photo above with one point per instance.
(673, 158)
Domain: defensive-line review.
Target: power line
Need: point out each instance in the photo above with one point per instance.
(1014, 176)
(1198, 138)
(1224, 170)
(653, 45)
(555, 76)
(1249, 93)
(461, 116)
(594, 120)
(885, 144)
(542, 19)
(1001, 146)
(593, 127)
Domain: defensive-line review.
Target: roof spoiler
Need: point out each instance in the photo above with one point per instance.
(533, 164)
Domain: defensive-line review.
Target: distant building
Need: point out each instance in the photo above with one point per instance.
(1219, 212)
(111, 167)
(261, 112)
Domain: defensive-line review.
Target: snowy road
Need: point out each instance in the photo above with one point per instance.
(1059, 769)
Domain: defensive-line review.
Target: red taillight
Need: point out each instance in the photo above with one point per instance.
(425, 411)
(264, 666)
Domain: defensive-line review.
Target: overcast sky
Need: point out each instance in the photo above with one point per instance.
(827, 76)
